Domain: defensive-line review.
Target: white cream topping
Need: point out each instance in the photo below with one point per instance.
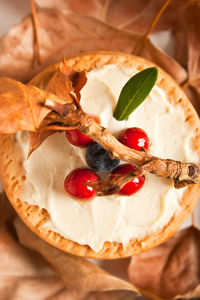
(113, 218)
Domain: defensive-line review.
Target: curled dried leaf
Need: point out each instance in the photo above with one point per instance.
(91, 7)
(20, 106)
(63, 83)
(176, 265)
(58, 30)
(76, 272)
(188, 45)
(25, 272)
(37, 138)
(123, 13)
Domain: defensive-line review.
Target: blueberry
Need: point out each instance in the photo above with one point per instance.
(99, 160)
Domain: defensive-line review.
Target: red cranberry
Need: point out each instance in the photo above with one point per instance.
(134, 138)
(77, 138)
(134, 185)
(73, 183)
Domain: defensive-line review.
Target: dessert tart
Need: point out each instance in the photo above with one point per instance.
(110, 226)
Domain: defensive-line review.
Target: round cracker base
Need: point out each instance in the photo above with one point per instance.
(13, 174)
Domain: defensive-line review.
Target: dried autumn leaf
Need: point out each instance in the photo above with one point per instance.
(37, 138)
(89, 7)
(57, 30)
(62, 83)
(20, 106)
(175, 265)
(187, 42)
(24, 274)
(123, 13)
(188, 45)
(78, 82)
(65, 81)
(7, 213)
(76, 272)
(137, 17)
(29, 274)
(110, 295)
(194, 295)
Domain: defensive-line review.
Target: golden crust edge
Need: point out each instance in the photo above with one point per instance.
(12, 172)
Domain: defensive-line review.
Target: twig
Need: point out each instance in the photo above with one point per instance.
(70, 115)
(182, 173)
(151, 27)
(115, 183)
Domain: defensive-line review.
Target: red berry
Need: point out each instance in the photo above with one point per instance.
(134, 185)
(73, 183)
(77, 138)
(134, 138)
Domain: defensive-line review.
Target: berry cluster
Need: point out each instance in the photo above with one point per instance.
(99, 160)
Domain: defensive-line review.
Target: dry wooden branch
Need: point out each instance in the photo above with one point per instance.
(182, 173)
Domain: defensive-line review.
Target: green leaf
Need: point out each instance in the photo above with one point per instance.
(134, 92)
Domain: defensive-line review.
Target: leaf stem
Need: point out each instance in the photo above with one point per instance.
(35, 29)
(105, 10)
(189, 81)
(151, 27)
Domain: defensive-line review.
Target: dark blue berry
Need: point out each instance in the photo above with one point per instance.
(99, 160)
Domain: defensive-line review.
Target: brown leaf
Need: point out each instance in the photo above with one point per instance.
(24, 274)
(193, 93)
(20, 107)
(139, 16)
(111, 295)
(188, 51)
(123, 13)
(171, 269)
(77, 273)
(62, 83)
(27, 275)
(57, 30)
(89, 7)
(192, 27)
(37, 138)
(78, 82)
(7, 213)
(65, 81)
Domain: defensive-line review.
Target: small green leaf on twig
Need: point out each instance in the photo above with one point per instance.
(135, 92)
